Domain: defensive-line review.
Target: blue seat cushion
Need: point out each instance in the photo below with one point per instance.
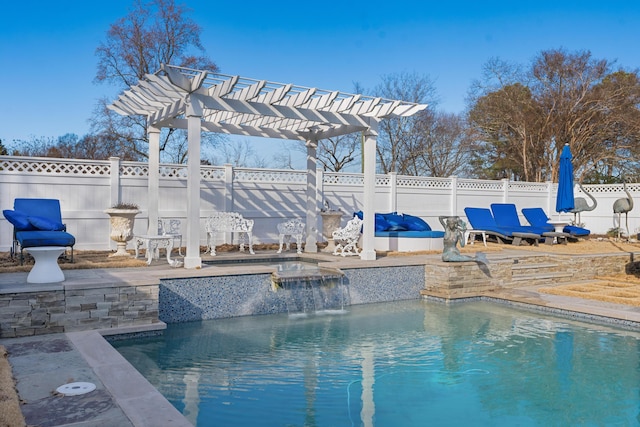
(394, 220)
(19, 220)
(415, 223)
(46, 224)
(576, 231)
(381, 224)
(31, 239)
(411, 234)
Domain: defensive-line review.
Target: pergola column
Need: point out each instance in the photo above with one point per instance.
(369, 157)
(154, 179)
(192, 257)
(311, 242)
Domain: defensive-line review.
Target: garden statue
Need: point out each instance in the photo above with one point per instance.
(454, 233)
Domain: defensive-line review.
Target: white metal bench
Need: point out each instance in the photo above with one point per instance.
(292, 228)
(346, 238)
(229, 222)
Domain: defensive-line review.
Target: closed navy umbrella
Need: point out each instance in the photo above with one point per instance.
(564, 199)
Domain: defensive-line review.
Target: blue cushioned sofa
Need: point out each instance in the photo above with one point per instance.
(37, 222)
(404, 233)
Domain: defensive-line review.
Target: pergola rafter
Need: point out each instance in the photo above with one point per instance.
(254, 105)
(197, 100)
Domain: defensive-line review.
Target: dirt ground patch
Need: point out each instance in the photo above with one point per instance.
(10, 414)
(621, 289)
(102, 259)
(81, 260)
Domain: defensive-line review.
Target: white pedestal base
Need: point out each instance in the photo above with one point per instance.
(559, 225)
(46, 268)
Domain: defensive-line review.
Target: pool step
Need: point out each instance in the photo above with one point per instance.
(541, 273)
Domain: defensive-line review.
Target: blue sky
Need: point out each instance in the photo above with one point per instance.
(47, 48)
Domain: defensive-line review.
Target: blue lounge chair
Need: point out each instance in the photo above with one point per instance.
(506, 216)
(482, 219)
(538, 218)
(37, 222)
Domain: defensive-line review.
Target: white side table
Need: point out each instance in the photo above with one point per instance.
(152, 244)
(45, 268)
(292, 228)
(559, 225)
(471, 236)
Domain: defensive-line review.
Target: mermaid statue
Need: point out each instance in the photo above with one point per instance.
(454, 233)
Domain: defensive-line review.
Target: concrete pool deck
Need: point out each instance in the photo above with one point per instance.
(41, 363)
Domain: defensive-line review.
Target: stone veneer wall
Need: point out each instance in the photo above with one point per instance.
(184, 300)
(77, 308)
(466, 279)
(458, 279)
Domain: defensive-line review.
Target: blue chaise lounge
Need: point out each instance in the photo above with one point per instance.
(538, 218)
(404, 233)
(37, 222)
(483, 219)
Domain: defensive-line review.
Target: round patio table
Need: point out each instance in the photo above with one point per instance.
(45, 268)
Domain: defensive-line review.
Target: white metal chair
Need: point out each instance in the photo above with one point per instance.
(346, 238)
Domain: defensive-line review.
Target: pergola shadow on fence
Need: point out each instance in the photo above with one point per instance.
(197, 100)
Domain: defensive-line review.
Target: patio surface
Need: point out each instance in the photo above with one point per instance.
(123, 397)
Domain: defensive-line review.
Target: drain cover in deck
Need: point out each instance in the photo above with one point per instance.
(75, 389)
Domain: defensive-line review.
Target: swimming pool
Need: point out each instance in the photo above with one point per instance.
(409, 363)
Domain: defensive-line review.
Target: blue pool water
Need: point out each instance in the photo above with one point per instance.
(411, 363)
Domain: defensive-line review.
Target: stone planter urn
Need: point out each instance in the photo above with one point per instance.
(121, 228)
(331, 221)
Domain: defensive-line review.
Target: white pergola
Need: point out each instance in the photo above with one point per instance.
(197, 100)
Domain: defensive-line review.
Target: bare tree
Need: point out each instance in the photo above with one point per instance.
(335, 154)
(399, 138)
(239, 153)
(283, 159)
(70, 146)
(154, 32)
(446, 146)
(507, 120)
(565, 98)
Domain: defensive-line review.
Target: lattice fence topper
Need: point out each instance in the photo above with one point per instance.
(275, 176)
(610, 188)
(52, 166)
(342, 178)
(423, 182)
(464, 184)
(210, 174)
(173, 172)
(528, 186)
(131, 169)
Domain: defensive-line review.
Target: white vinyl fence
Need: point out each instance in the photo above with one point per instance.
(86, 188)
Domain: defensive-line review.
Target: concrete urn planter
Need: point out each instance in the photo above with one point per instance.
(121, 221)
(331, 221)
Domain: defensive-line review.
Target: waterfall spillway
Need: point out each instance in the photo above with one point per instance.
(311, 290)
